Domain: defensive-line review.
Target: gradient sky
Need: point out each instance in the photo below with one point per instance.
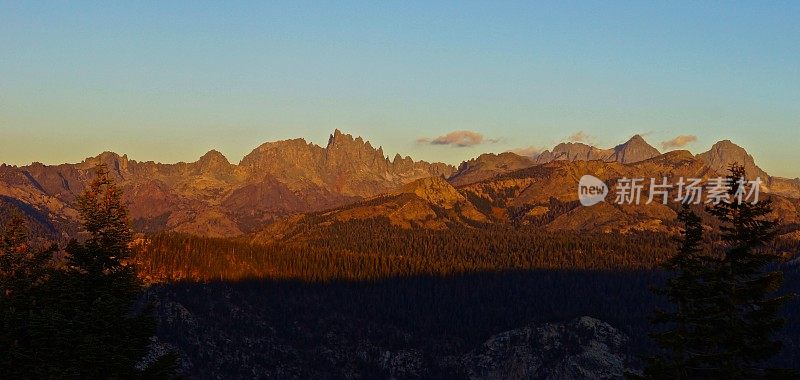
(167, 81)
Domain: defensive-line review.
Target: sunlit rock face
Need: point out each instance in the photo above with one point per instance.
(634, 150)
(724, 153)
(213, 197)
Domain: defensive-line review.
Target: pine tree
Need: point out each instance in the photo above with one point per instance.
(725, 306)
(680, 345)
(100, 334)
(743, 287)
(23, 271)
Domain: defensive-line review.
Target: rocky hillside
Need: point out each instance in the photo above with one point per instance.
(719, 158)
(549, 351)
(489, 165)
(542, 195)
(213, 197)
(231, 331)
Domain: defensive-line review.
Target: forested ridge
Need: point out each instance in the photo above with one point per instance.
(370, 250)
(375, 250)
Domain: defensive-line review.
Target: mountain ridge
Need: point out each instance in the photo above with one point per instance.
(214, 197)
(543, 195)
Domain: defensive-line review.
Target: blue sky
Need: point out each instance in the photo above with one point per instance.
(168, 81)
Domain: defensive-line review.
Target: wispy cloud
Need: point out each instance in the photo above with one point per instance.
(458, 138)
(528, 151)
(678, 142)
(579, 136)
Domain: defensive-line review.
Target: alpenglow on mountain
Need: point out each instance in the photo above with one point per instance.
(214, 197)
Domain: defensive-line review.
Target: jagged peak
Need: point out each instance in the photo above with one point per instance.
(109, 154)
(106, 157)
(338, 138)
(398, 159)
(113, 162)
(343, 147)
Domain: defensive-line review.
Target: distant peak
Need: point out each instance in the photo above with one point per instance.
(634, 150)
(729, 147)
(108, 154)
(106, 158)
(214, 155)
(113, 162)
(341, 138)
(723, 153)
(636, 139)
(726, 144)
(573, 143)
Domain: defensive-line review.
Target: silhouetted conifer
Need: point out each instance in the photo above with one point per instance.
(725, 308)
(97, 333)
(23, 271)
(743, 288)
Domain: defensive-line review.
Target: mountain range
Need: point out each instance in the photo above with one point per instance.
(283, 185)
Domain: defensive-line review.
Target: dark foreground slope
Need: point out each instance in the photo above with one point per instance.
(412, 327)
(406, 327)
(413, 303)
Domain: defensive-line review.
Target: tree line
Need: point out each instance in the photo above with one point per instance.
(71, 312)
(370, 250)
(725, 308)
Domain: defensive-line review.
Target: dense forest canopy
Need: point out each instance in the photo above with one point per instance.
(369, 250)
